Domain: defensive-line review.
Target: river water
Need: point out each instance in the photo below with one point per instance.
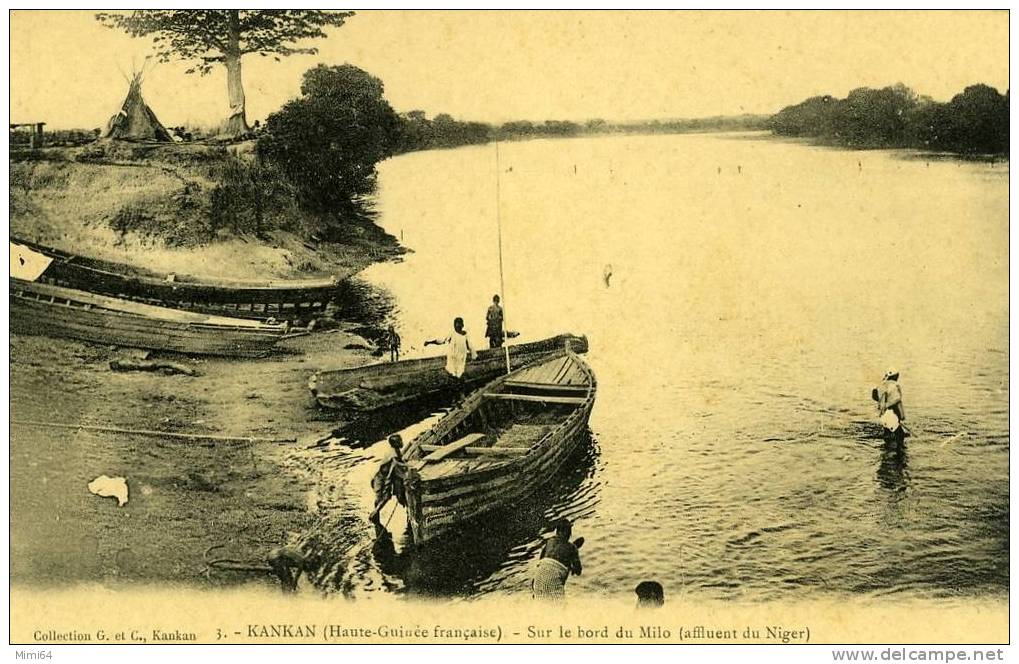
(759, 290)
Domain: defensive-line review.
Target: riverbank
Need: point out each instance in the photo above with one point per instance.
(150, 207)
(187, 209)
(184, 496)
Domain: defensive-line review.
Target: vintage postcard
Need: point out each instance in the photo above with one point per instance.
(509, 327)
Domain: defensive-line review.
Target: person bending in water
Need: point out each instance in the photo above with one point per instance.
(288, 563)
(890, 409)
(558, 559)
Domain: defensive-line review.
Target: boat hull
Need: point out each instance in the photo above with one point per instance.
(441, 506)
(41, 309)
(376, 386)
(282, 300)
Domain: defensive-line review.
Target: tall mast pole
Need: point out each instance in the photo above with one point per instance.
(498, 223)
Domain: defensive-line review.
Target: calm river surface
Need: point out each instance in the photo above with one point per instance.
(759, 290)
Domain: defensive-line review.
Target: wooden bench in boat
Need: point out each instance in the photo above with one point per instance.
(535, 397)
(443, 451)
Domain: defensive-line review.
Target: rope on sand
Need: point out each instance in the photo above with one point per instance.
(157, 434)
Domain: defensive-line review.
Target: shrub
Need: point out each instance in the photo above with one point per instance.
(327, 142)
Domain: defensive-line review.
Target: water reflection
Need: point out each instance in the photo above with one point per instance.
(893, 471)
(364, 303)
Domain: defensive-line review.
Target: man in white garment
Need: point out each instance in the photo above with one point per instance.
(458, 348)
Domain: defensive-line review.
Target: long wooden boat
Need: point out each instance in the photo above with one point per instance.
(375, 386)
(505, 441)
(63, 312)
(282, 300)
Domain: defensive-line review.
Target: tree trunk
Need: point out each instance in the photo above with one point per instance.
(237, 122)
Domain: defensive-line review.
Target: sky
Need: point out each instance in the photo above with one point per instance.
(68, 70)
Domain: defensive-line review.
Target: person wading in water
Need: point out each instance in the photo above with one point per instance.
(558, 559)
(890, 409)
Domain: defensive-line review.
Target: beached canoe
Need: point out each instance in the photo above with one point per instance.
(282, 300)
(506, 440)
(48, 310)
(375, 386)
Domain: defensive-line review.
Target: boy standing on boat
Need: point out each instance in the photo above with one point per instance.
(457, 351)
(493, 328)
(559, 557)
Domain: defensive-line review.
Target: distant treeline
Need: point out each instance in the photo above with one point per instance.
(973, 122)
(420, 133)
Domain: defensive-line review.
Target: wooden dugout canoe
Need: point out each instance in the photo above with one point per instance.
(505, 441)
(283, 300)
(376, 386)
(63, 312)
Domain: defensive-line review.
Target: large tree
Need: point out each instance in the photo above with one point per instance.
(207, 37)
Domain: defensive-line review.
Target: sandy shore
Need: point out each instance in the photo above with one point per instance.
(184, 496)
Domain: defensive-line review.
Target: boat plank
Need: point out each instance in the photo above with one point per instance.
(539, 398)
(563, 371)
(484, 451)
(576, 376)
(430, 497)
(548, 370)
(449, 448)
(542, 386)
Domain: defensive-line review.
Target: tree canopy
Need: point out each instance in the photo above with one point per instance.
(207, 37)
(328, 141)
(974, 121)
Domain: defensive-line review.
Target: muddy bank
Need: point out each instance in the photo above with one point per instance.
(185, 496)
(184, 209)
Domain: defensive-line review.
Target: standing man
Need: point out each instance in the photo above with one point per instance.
(494, 330)
(457, 351)
(890, 409)
(394, 344)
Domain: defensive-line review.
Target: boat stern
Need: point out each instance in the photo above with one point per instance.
(412, 492)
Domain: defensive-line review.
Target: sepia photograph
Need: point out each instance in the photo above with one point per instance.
(515, 327)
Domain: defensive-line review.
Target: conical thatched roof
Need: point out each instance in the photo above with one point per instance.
(135, 121)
